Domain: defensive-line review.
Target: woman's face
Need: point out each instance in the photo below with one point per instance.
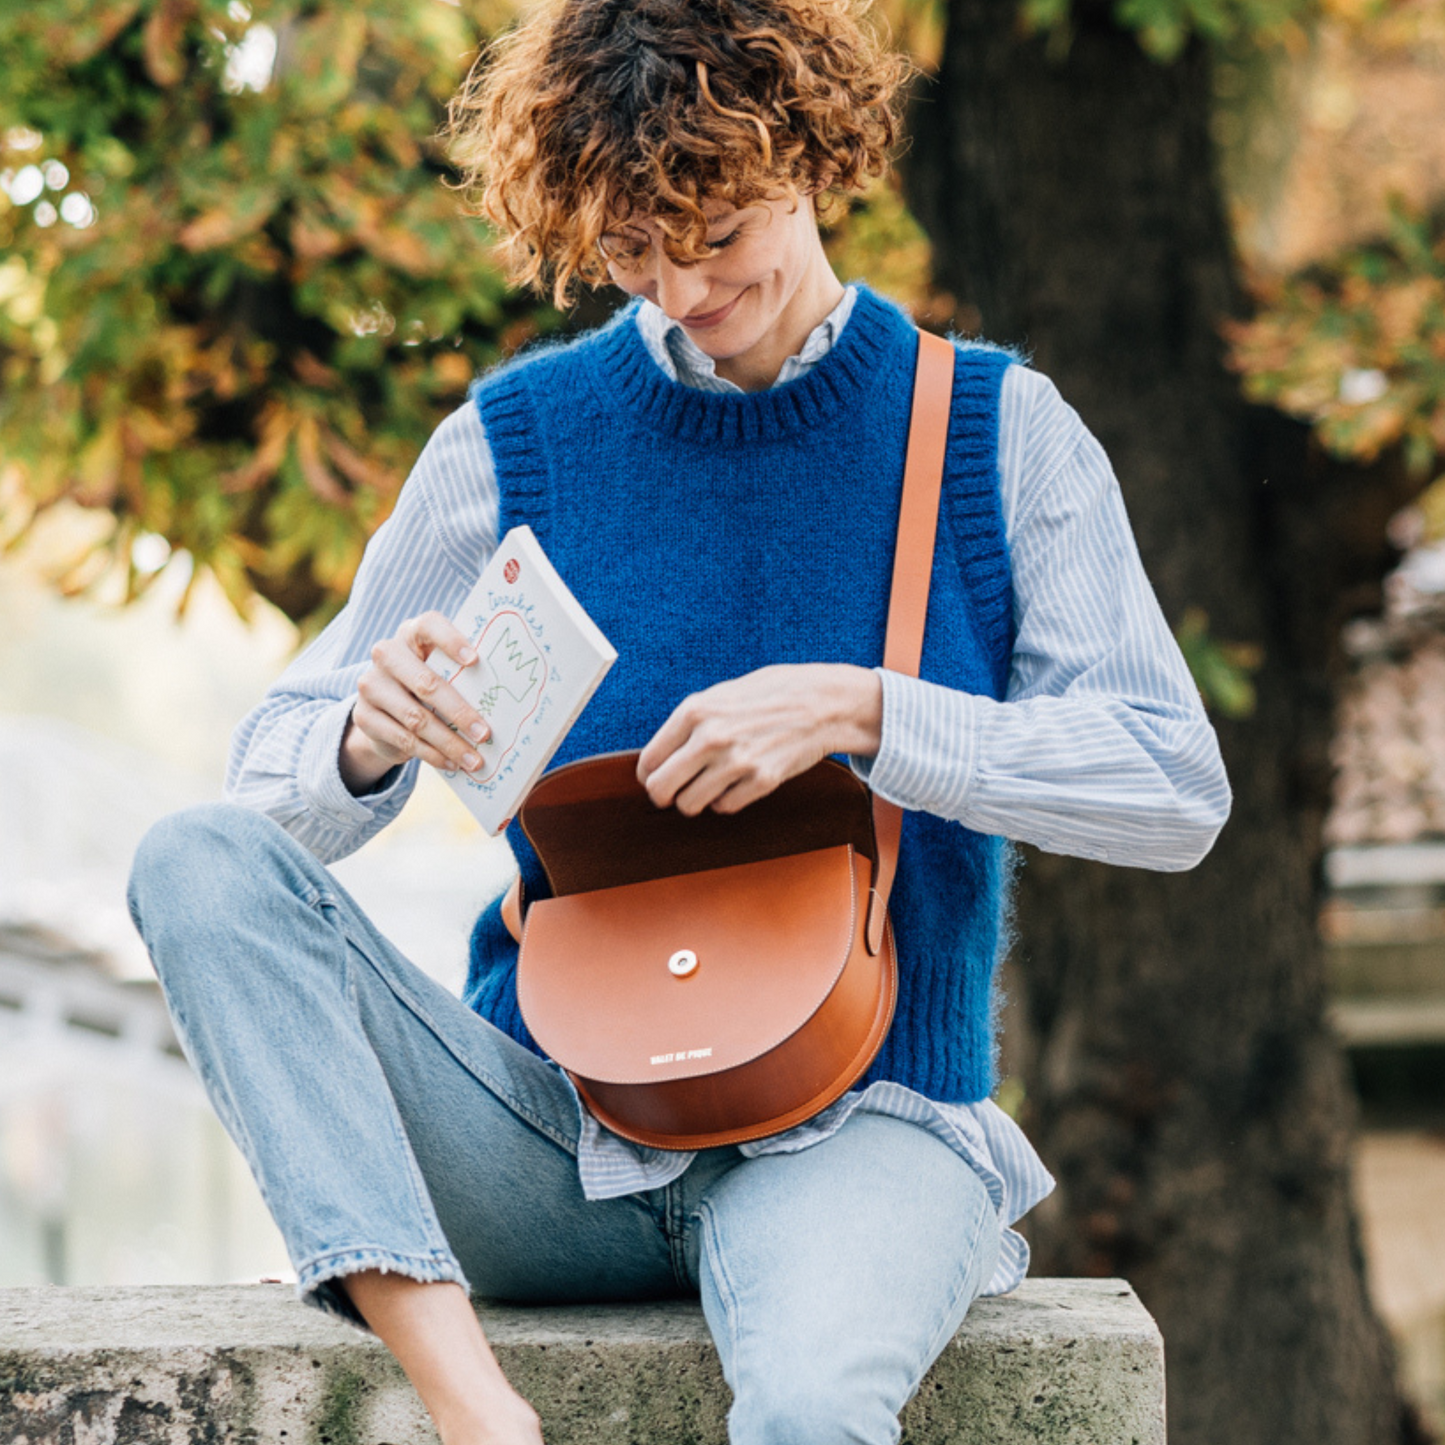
(759, 293)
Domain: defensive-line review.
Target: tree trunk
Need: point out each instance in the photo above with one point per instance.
(1183, 1085)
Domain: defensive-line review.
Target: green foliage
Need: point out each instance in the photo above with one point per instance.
(1011, 1096)
(233, 306)
(1357, 346)
(1429, 506)
(915, 27)
(1165, 27)
(874, 235)
(1221, 670)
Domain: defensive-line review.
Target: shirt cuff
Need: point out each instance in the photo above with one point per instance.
(929, 746)
(319, 773)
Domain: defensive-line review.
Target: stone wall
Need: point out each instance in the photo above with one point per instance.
(1058, 1362)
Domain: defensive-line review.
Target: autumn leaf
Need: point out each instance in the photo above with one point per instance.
(97, 467)
(360, 470)
(225, 224)
(319, 477)
(452, 371)
(1400, 309)
(312, 239)
(402, 249)
(274, 433)
(309, 370)
(73, 34)
(161, 41)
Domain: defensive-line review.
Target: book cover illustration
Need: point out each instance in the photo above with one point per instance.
(540, 658)
(516, 671)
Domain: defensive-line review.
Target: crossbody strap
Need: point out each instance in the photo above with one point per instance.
(912, 571)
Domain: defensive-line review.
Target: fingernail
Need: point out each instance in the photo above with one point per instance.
(471, 762)
(478, 732)
(468, 657)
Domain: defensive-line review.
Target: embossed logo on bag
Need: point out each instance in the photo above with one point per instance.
(681, 1056)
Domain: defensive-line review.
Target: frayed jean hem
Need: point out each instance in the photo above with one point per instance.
(317, 1281)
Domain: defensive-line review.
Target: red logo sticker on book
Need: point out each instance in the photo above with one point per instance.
(511, 570)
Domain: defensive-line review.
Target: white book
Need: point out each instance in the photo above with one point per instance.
(539, 660)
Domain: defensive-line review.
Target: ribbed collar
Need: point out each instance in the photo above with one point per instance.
(625, 376)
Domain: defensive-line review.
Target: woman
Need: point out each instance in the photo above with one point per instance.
(715, 472)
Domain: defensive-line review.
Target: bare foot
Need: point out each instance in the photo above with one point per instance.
(435, 1334)
(498, 1419)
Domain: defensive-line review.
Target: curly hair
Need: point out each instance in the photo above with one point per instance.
(594, 111)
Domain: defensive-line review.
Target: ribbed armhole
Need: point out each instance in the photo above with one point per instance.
(975, 511)
(514, 429)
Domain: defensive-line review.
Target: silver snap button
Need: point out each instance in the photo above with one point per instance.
(682, 963)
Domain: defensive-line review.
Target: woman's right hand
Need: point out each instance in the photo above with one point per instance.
(404, 710)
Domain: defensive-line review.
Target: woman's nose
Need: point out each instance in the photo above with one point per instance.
(680, 289)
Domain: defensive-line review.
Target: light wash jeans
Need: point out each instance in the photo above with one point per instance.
(391, 1127)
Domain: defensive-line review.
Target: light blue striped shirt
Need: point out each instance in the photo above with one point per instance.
(1101, 748)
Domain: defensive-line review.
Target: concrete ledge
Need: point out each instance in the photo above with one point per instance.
(1076, 1361)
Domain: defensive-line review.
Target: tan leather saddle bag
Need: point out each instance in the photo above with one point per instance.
(716, 979)
(703, 980)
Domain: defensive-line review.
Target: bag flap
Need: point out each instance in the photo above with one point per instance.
(594, 826)
(603, 989)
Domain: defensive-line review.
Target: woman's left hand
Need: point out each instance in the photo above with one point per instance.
(736, 741)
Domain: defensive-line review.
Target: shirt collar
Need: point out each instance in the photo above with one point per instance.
(684, 361)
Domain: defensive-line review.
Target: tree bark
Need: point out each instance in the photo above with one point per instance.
(1183, 1087)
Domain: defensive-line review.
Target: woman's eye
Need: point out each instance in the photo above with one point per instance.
(628, 253)
(724, 242)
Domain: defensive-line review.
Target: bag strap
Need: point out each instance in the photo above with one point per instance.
(912, 572)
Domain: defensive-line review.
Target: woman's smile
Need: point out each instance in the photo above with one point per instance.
(712, 318)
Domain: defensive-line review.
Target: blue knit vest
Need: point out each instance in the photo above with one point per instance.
(709, 535)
